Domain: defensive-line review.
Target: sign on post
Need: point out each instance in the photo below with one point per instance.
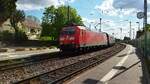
(140, 15)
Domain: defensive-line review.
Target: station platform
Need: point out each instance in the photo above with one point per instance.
(123, 68)
(24, 54)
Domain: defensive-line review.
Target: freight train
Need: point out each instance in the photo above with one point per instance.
(80, 38)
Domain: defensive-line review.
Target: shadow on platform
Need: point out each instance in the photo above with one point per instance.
(90, 81)
(143, 79)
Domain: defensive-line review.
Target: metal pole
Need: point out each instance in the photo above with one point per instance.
(113, 34)
(133, 33)
(145, 12)
(68, 14)
(68, 10)
(100, 24)
(138, 25)
(130, 30)
(145, 28)
(121, 33)
(90, 26)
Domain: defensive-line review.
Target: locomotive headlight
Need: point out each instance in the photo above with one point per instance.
(71, 38)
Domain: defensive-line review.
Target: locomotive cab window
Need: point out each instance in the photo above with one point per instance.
(68, 31)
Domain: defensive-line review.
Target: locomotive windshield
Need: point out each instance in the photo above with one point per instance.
(68, 31)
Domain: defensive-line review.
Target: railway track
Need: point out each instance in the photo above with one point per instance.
(22, 62)
(16, 63)
(58, 76)
(12, 64)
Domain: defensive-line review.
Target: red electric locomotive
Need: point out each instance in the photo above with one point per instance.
(78, 37)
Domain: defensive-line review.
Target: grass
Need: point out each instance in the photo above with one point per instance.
(46, 38)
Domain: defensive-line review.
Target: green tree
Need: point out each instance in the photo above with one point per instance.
(7, 7)
(141, 32)
(55, 19)
(148, 27)
(17, 16)
(126, 39)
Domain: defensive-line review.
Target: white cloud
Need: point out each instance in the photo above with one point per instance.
(120, 7)
(148, 14)
(106, 5)
(106, 23)
(90, 22)
(111, 26)
(28, 7)
(107, 8)
(86, 20)
(40, 4)
(148, 19)
(127, 4)
(123, 9)
(148, 1)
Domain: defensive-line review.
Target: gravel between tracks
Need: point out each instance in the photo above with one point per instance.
(20, 73)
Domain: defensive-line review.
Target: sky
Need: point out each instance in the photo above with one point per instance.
(115, 14)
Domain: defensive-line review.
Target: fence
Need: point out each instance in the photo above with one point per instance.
(148, 43)
(140, 43)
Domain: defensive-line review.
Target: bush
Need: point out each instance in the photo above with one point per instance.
(6, 36)
(46, 38)
(20, 36)
(17, 37)
(0, 36)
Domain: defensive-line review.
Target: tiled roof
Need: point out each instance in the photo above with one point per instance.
(31, 24)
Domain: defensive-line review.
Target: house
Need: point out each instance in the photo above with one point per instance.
(30, 26)
(6, 26)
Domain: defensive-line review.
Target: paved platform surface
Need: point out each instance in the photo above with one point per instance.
(25, 54)
(124, 68)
